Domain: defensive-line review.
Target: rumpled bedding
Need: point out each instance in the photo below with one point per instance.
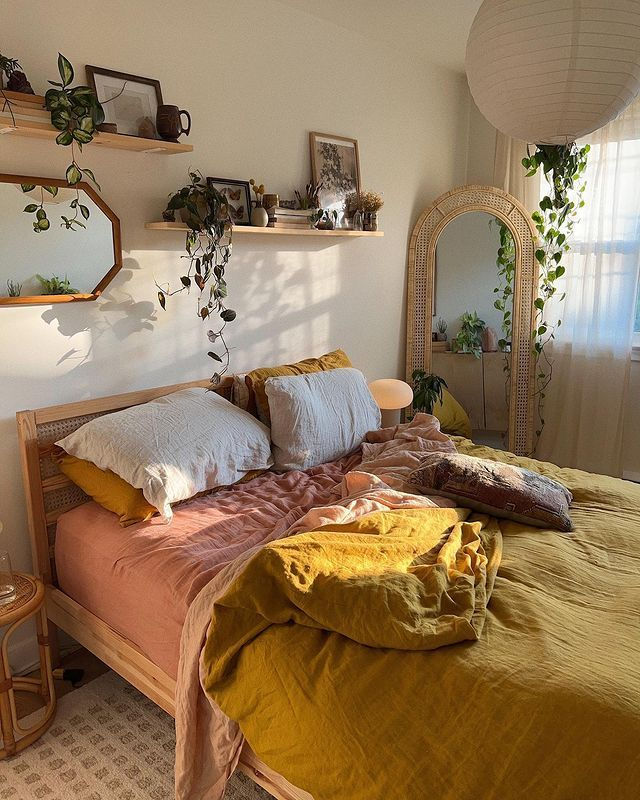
(544, 704)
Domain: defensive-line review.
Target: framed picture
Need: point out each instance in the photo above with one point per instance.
(336, 164)
(238, 196)
(128, 100)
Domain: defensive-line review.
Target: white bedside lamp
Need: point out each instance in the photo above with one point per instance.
(391, 395)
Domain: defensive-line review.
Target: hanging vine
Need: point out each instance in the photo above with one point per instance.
(563, 167)
(208, 244)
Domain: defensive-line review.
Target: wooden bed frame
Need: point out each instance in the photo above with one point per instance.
(49, 494)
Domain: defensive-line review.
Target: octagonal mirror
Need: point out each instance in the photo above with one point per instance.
(58, 243)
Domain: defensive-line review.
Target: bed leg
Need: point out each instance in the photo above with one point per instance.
(54, 644)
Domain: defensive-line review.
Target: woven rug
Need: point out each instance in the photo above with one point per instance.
(107, 742)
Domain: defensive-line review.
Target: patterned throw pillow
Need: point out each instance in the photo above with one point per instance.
(492, 487)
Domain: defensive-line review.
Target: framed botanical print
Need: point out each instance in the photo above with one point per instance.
(335, 164)
(129, 101)
(238, 197)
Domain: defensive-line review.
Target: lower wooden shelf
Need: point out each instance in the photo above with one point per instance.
(248, 229)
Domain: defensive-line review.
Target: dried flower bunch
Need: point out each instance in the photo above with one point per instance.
(258, 190)
(367, 202)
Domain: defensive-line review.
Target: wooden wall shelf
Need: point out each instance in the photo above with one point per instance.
(47, 299)
(43, 130)
(244, 229)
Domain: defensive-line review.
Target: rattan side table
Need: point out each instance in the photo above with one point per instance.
(29, 602)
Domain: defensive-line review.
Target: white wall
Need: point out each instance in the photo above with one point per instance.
(256, 78)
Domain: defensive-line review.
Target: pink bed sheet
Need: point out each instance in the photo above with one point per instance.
(141, 580)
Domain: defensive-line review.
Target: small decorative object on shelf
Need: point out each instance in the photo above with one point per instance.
(368, 204)
(108, 127)
(270, 200)
(442, 330)
(288, 218)
(238, 196)
(169, 122)
(356, 220)
(27, 602)
(146, 128)
(259, 215)
(327, 221)
(489, 340)
(14, 288)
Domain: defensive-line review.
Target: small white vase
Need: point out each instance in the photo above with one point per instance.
(259, 217)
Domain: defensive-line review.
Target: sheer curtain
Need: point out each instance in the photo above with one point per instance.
(584, 408)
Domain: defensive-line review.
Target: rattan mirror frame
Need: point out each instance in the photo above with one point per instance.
(420, 291)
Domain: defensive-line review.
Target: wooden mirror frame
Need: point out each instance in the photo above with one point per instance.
(420, 294)
(47, 299)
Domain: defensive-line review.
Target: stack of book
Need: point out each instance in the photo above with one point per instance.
(280, 217)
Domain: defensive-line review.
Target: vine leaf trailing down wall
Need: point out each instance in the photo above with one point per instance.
(563, 167)
(208, 244)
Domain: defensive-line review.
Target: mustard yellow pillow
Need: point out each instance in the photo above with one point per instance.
(453, 418)
(256, 378)
(108, 490)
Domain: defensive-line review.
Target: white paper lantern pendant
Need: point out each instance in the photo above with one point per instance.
(552, 71)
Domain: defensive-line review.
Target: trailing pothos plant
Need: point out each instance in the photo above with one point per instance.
(76, 113)
(208, 244)
(563, 167)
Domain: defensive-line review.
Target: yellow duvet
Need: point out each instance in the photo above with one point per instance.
(362, 661)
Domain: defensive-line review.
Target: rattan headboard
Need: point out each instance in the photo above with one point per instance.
(48, 492)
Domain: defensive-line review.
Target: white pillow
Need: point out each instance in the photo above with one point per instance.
(175, 446)
(319, 417)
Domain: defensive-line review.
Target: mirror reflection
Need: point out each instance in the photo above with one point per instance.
(473, 300)
(56, 259)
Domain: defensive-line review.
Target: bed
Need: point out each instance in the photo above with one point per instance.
(602, 556)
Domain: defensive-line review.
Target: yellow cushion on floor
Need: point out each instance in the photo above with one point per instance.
(453, 418)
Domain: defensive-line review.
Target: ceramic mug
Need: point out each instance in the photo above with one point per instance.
(169, 122)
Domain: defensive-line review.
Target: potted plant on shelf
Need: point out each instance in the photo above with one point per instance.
(469, 337)
(428, 390)
(208, 246)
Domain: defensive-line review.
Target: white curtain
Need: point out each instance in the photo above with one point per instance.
(585, 403)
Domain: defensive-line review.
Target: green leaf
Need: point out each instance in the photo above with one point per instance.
(161, 300)
(540, 256)
(86, 124)
(560, 270)
(214, 356)
(84, 211)
(89, 172)
(81, 136)
(43, 224)
(60, 119)
(65, 138)
(65, 69)
(186, 281)
(27, 187)
(30, 208)
(41, 214)
(228, 315)
(539, 303)
(53, 190)
(73, 175)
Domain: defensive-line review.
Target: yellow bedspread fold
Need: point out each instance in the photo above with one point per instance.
(361, 660)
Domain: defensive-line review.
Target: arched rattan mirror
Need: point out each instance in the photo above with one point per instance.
(454, 261)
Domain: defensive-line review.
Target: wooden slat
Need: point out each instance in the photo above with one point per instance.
(114, 402)
(58, 481)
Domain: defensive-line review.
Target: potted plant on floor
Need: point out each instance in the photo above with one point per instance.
(428, 390)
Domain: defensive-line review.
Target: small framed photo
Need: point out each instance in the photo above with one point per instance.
(335, 163)
(238, 196)
(128, 100)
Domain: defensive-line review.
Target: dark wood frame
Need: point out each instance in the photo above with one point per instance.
(234, 182)
(47, 299)
(313, 135)
(92, 71)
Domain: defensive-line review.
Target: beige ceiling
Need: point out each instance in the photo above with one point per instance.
(433, 30)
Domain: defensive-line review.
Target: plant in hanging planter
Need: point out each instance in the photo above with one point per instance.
(208, 246)
(76, 113)
(427, 390)
(469, 337)
(563, 167)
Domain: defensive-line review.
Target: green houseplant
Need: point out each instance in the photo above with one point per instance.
(469, 337)
(427, 390)
(56, 285)
(208, 246)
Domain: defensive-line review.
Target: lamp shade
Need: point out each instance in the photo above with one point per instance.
(391, 394)
(552, 71)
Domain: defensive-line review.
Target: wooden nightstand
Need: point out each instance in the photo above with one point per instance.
(29, 602)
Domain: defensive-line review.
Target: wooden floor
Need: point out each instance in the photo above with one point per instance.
(27, 702)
